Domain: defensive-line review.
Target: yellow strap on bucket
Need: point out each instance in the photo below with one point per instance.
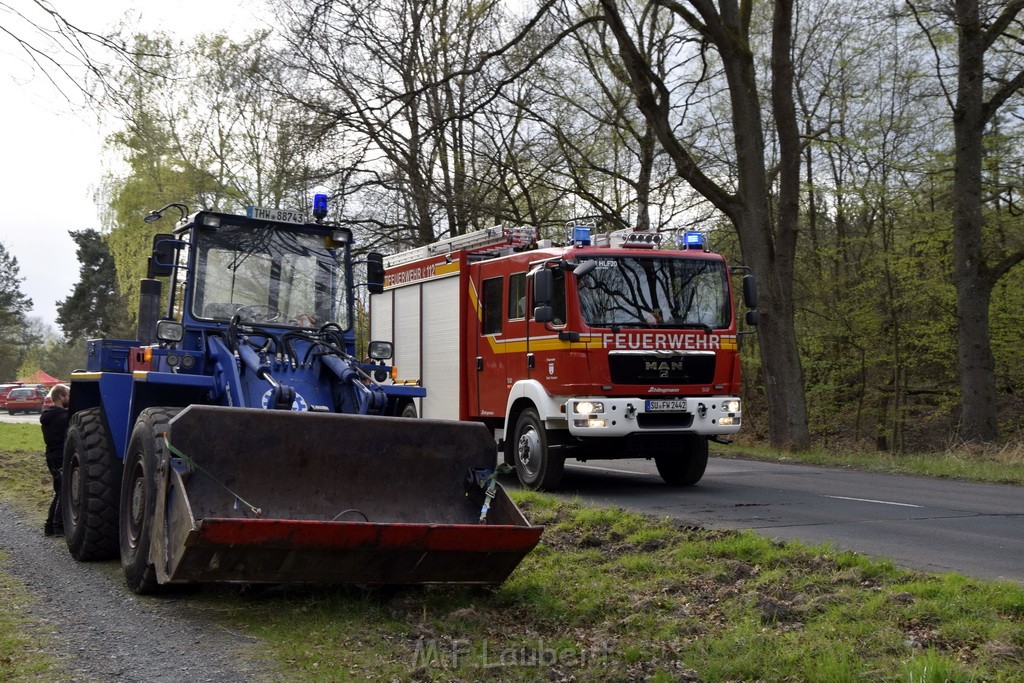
(492, 485)
(192, 463)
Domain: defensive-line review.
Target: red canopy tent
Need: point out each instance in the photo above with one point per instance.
(41, 377)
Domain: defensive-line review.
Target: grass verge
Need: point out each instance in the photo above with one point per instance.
(22, 650)
(994, 465)
(610, 595)
(25, 483)
(24, 479)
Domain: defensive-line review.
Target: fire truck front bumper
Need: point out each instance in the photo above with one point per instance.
(608, 417)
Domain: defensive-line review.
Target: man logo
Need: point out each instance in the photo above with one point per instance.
(663, 366)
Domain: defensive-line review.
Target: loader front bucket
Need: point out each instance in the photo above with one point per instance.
(271, 496)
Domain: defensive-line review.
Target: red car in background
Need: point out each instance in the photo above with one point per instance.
(26, 400)
(6, 389)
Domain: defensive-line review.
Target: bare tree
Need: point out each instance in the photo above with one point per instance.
(392, 76)
(609, 157)
(767, 230)
(74, 59)
(988, 69)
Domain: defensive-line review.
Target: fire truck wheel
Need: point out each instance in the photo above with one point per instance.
(408, 410)
(685, 468)
(538, 468)
(90, 488)
(146, 450)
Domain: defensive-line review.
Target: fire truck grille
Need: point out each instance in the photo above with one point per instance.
(640, 369)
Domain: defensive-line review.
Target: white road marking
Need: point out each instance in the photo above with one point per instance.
(880, 502)
(607, 469)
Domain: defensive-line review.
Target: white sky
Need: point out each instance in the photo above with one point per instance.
(51, 158)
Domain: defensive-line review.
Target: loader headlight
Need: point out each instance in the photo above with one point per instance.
(588, 408)
(169, 331)
(732, 406)
(380, 350)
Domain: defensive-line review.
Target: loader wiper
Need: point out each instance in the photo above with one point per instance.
(258, 243)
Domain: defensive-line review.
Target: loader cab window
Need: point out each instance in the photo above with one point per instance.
(517, 296)
(269, 275)
(177, 293)
(491, 304)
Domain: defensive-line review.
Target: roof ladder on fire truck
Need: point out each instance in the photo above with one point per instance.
(501, 236)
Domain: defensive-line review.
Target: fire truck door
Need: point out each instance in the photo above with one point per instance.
(517, 345)
(491, 380)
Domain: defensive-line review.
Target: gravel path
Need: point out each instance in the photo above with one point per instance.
(104, 632)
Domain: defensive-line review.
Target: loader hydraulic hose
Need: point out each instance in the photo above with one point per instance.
(284, 395)
(369, 398)
(252, 361)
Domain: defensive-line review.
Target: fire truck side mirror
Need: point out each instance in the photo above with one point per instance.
(753, 318)
(543, 284)
(543, 314)
(750, 291)
(375, 272)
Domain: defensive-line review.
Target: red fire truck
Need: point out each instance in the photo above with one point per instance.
(608, 346)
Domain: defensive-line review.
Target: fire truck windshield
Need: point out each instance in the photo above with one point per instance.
(656, 291)
(272, 276)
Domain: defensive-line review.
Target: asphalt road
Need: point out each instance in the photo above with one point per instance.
(922, 523)
(31, 418)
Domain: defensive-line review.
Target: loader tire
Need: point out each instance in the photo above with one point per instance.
(408, 410)
(686, 467)
(142, 468)
(538, 467)
(90, 488)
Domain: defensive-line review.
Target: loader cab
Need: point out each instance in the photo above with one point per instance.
(259, 272)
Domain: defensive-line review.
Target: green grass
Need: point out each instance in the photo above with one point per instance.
(996, 465)
(611, 596)
(22, 647)
(24, 479)
(25, 483)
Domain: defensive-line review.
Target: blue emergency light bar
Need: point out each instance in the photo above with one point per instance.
(691, 240)
(579, 235)
(320, 207)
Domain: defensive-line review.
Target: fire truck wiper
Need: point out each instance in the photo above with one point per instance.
(695, 326)
(644, 326)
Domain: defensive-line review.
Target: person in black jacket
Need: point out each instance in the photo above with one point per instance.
(55, 423)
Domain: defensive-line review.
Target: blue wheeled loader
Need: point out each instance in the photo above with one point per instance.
(240, 440)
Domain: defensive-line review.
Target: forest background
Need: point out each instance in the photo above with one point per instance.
(863, 158)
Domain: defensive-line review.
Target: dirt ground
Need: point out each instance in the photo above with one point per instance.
(100, 631)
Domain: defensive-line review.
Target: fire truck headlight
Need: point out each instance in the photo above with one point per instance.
(731, 406)
(727, 421)
(588, 408)
(591, 423)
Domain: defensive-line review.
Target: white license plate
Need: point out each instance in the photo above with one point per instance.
(666, 405)
(278, 215)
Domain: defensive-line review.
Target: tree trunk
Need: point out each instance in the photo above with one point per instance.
(780, 356)
(973, 283)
